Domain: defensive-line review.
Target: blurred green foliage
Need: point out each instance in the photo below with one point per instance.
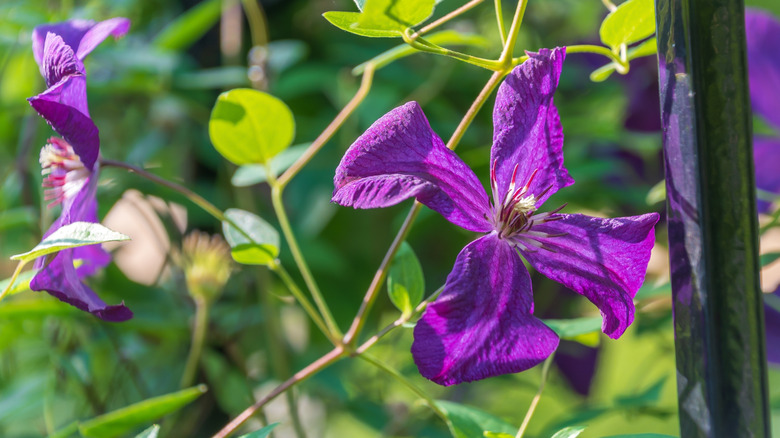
(151, 94)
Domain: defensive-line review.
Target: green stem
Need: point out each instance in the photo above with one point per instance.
(308, 278)
(500, 19)
(198, 337)
(11, 282)
(313, 368)
(257, 22)
(446, 18)
(609, 5)
(327, 134)
(427, 46)
(537, 397)
(420, 393)
(301, 297)
(511, 39)
(621, 64)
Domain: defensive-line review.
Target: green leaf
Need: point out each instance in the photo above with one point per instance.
(261, 433)
(487, 434)
(124, 420)
(71, 236)
(405, 281)
(572, 328)
(768, 258)
(443, 38)
(251, 174)
(657, 193)
(190, 26)
(360, 4)
(652, 291)
(648, 397)
(569, 432)
(259, 242)
(470, 422)
(632, 21)
(150, 432)
(382, 18)
(250, 127)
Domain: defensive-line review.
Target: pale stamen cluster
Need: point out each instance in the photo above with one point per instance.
(64, 173)
(515, 215)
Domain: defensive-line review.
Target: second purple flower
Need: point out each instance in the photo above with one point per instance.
(482, 324)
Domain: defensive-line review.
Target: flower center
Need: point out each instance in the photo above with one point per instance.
(64, 173)
(515, 213)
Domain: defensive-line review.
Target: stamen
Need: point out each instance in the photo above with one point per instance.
(64, 173)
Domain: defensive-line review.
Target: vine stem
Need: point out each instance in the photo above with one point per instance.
(305, 303)
(323, 362)
(537, 397)
(446, 18)
(500, 20)
(300, 261)
(316, 366)
(198, 337)
(412, 387)
(511, 39)
(622, 64)
(327, 134)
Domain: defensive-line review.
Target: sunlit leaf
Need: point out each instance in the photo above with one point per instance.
(632, 21)
(641, 435)
(572, 328)
(251, 174)
(382, 18)
(71, 236)
(124, 420)
(22, 283)
(261, 433)
(405, 281)
(258, 244)
(250, 127)
(469, 422)
(569, 432)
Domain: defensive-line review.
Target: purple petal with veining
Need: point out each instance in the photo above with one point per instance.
(61, 278)
(59, 60)
(763, 36)
(81, 35)
(766, 152)
(64, 106)
(482, 324)
(527, 128)
(400, 157)
(603, 259)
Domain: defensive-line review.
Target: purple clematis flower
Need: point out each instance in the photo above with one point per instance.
(70, 164)
(482, 324)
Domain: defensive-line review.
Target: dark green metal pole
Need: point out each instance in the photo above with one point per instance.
(718, 311)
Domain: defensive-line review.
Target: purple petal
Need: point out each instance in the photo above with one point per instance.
(400, 157)
(64, 106)
(81, 35)
(763, 35)
(61, 278)
(766, 153)
(59, 60)
(603, 259)
(482, 324)
(527, 128)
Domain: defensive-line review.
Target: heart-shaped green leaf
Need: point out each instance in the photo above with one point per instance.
(632, 21)
(405, 281)
(256, 242)
(250, 127)
(71, 236)
(382, 18)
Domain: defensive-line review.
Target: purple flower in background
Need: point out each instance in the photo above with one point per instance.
(482, 324)
(70, 164)
(763, 35)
